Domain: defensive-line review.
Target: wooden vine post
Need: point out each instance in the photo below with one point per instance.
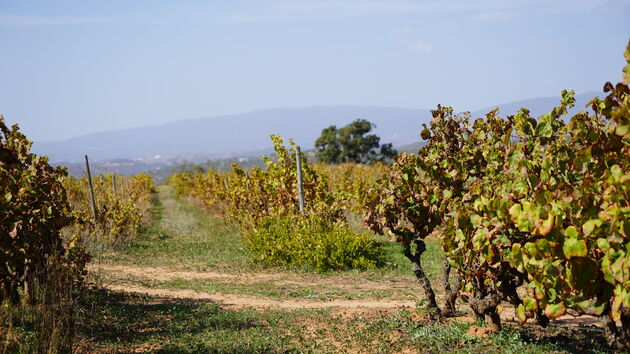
(89, 176)
(114, 185)
(300, 185)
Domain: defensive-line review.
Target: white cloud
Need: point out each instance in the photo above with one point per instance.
(32, 21)
(421, 47)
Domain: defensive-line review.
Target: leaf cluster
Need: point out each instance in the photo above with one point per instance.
(350, 182)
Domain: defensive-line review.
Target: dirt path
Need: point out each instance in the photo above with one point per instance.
(127, 278)
(236, 301)
(239, 301)
(164, 274)
(385, 292)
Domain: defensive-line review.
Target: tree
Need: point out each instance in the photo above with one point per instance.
(351, 144)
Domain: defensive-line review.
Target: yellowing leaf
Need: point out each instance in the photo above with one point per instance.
(530, 304)
(554, 311)
(590, 225)
(571, 232)
(520, 218)
(546, 226)
(616, 173)
(603, 244)
(520, 313)
(574, 248)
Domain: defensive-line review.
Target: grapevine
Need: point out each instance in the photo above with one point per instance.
(540, 202)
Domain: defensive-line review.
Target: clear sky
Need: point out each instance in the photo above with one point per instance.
(74, 67)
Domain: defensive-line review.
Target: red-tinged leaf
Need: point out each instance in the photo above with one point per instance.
(553, 311)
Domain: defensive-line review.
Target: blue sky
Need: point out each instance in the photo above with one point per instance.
(74, 67)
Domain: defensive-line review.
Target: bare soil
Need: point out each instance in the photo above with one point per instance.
(343, 307)
(241, 301)
(277, 278)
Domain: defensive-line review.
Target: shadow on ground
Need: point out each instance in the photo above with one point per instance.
(116, 321)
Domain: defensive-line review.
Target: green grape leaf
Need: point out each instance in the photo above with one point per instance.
(520, 218)
(589, 226)
(544, 129)
(574, 248)
(530, 304)
(520, 313)
(603, 244)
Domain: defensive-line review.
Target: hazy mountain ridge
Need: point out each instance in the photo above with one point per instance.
(233, 135)
(246, 134)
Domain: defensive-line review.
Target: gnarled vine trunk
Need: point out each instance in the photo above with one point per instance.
(449, 309)
(416, 266)
(486, 305)
(451, 292)
(618, 337)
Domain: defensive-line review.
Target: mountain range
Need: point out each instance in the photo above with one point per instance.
(247, 134)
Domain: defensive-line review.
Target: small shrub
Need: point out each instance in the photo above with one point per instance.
(307, 241)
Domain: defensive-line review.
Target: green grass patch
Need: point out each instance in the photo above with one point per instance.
(183, 236)
(451, 337)
(111, 321)
(395, 261)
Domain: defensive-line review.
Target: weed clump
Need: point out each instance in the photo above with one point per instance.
(306, 241)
